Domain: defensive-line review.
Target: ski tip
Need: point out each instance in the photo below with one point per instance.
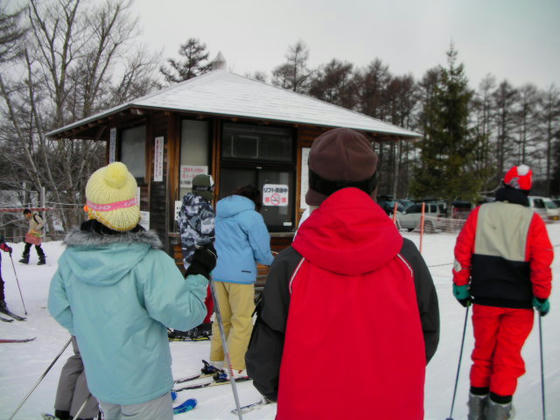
(188, 405)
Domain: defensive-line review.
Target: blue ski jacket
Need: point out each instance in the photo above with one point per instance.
(241, 239)
(117, 294)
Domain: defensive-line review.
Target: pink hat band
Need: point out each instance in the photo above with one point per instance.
(112, 206)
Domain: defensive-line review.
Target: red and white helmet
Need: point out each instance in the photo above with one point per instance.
(519, 177)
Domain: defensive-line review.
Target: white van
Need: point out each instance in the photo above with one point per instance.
(548, 210)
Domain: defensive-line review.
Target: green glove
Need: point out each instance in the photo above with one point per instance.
(541, 305)
(462, 294)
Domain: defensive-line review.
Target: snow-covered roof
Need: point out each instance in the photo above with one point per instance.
(222, 93)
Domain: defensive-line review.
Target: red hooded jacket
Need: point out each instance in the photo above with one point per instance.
(353, 335)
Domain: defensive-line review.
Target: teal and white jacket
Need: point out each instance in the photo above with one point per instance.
(241, 239)
(117, 294)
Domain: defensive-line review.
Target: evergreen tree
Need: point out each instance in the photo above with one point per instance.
(195, 62)
(446, 169)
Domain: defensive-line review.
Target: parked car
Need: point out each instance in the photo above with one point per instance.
(545, 207)
(409, 217)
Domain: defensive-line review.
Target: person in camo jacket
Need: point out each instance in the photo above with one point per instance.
(196, 227)
(502, 263)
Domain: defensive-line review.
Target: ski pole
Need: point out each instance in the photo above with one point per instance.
(225, 347)
(77, 415)
(41, 378)
(542, 368)
(17, 281)
(459, 365)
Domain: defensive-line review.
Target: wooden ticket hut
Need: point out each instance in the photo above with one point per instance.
(239, 130)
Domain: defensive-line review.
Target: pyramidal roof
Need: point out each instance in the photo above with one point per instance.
(222, 93)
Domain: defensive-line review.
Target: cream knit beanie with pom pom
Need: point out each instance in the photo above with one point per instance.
(111, 197)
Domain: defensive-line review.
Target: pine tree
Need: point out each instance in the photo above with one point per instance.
(446, 169)
(195, 62)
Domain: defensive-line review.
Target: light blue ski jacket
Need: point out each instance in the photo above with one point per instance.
(117, 294)
(241, 239)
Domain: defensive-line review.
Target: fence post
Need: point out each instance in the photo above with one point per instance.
(422, 217)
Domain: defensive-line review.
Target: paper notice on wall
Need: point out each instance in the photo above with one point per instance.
(145, 220)
(275, 195)
(158, 159)
(304, 178)
(188, 172)
(177, 210)
(112, 144)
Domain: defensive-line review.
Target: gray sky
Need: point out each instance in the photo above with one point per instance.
(515, 40)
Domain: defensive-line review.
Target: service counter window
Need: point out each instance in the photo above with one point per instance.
(133, 151)
(195, 153)
(263, 156)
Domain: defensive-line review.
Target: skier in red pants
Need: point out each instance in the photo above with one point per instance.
(502, 264)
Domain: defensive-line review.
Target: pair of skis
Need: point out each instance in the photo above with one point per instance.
(13, 316)
(6, 311)
(219, 377)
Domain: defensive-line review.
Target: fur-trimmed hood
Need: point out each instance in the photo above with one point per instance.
(103, 260)
(78, 237)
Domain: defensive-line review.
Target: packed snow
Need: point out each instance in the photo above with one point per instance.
(22, 364)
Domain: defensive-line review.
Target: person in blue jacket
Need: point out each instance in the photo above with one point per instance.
(116, 291)
(242, 240)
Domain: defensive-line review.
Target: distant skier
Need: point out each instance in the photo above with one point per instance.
(33, 237)
(4, 247)
(349, 316)
(196, 226)
(116, 291)
(502, 264)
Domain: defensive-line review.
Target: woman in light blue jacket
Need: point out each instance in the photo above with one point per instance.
(242, 240)
(116, 291)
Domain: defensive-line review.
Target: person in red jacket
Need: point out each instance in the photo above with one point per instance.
(349, 314)
(502, 264)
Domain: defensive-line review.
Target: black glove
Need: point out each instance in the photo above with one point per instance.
(204, 261)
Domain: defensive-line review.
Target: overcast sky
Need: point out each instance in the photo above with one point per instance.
(516, 40)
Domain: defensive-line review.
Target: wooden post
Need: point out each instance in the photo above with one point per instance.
(422, 217)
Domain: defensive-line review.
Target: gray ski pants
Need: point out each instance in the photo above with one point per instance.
(72, 388)
(161, 409)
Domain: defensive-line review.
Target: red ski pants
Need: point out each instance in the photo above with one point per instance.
(499, 335)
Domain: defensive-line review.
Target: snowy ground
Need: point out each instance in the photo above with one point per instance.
(21, 365)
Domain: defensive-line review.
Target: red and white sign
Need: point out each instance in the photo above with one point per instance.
(188, 172)
(275, 195)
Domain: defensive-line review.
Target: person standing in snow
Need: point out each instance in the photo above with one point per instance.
(349, 316)
(73, 391)
(502, 264)
(116, 291)
(242, 240)
(4, 247)
(33, 237)
(196, 227)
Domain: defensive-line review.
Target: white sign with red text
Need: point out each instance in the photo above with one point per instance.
(188, 172)
(275, 195)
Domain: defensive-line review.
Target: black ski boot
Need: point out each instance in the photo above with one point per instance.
(24, 259)
(42, 260)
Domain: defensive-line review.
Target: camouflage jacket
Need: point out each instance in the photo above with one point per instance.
(196, 225)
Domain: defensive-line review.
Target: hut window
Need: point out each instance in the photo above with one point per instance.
(263, 156)
(133, 150)
(195, 152)
(244, 141)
